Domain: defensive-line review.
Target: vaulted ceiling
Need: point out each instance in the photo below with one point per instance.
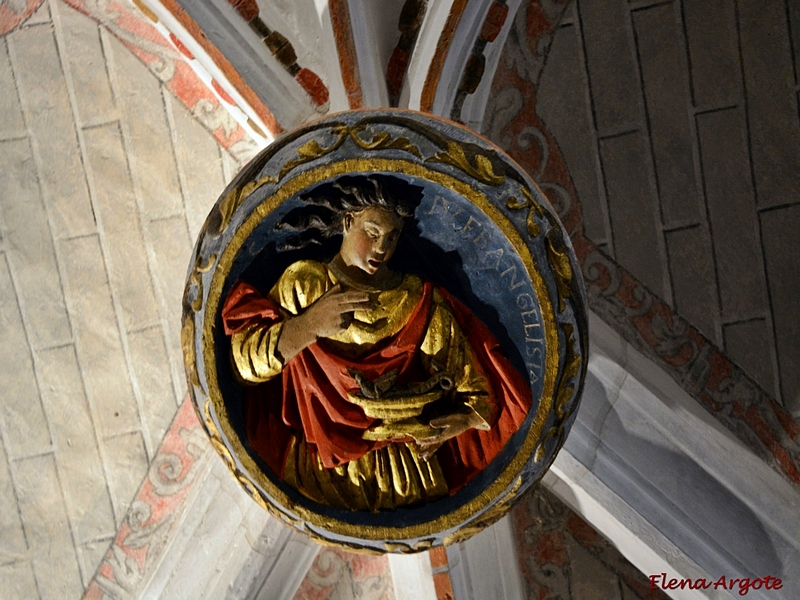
(665, 133)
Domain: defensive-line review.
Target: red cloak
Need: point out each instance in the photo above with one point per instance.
(311, 394)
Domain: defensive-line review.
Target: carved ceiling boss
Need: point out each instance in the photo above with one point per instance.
(384, 331)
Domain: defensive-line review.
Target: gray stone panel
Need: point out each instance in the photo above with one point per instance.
(694, 289)
(11, 122)
(590, 579)
(713, 52)
(633, 209)
(71, 423)
(41, 15)
(731, 210)
(48, 112)
(84, 54)
(91, 554)
(771, 101)
(199, 165)
(123, 241)
(230, 166)
(55, 563)
(749, 345)
(12, 537)
(610, 58)
(30, 247)
(169, 241)
(781, 250)
(97, 337)
(148, 137)
(127, 467)
(78, 301)
(23, 420)
(564, 106)
(17, 580)
(665, 77)
(151, 370)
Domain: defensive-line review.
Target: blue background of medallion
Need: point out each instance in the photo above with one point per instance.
(439, 248)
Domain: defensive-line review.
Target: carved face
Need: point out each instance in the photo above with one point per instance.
(370, 238)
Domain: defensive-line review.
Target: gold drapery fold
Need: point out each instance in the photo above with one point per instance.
(383, 479)
(393, 475)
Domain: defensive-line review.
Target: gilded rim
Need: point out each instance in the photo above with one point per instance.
(512, 470)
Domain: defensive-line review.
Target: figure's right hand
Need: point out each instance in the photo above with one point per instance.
(333, 312)
(329, 315)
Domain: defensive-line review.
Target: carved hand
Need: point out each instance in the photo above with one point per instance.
(329, 315)
(451, 426)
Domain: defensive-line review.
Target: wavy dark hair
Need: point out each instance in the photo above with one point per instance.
(327, 204)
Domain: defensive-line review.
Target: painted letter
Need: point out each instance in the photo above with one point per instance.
(482, 239)
(438, 201)
(672, 585)
(498, 254)
(653, 578)
(744, 586)
(467, 226)
(525, 301)
(528, 334)
(514, 283)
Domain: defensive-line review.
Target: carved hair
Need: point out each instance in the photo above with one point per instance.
(328, 204)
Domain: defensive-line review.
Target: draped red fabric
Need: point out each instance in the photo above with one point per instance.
(466, 455)
(311, 395)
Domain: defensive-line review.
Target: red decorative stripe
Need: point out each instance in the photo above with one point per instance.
(222, 93)
(313, 86)
(227, 69)
(443, 586)
(398, 63)
(179, 45)
(11, 19)
(248, 9)
(441, 574)
(494, 22)
(345, 46)
(442, 48)
(162, 497)
(755, 419)
(142, 38)
(789, 425)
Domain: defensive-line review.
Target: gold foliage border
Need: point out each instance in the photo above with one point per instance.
(452, 153)
(374, 533)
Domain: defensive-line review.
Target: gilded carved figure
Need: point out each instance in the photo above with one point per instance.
(368, 388)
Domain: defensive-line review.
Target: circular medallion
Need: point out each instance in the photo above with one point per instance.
(384, 330)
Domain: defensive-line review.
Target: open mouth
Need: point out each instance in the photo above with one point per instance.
(374, 263)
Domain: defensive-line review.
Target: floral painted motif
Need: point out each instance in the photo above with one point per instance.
(152, 513)
(559, 553)
(340, 575)
(166, 57)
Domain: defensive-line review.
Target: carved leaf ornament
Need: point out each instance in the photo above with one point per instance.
(483, 250)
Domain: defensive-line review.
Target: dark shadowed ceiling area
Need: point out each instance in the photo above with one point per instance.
(679, 124)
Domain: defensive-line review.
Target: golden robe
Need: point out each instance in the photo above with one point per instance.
(336, 454)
